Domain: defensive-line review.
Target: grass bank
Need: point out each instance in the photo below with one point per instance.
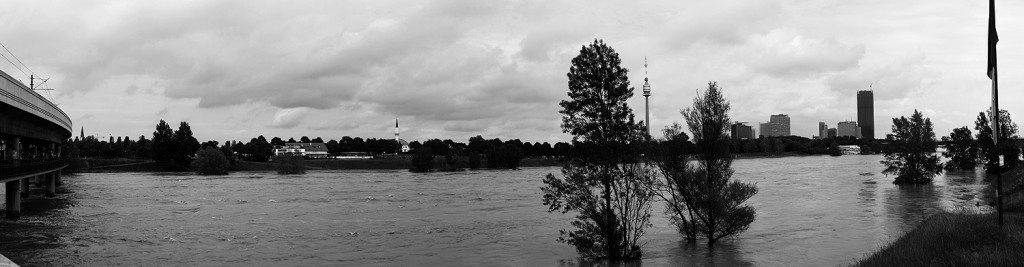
(956, 239)
(962, 239)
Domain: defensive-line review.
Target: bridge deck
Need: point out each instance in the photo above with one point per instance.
(12, 170)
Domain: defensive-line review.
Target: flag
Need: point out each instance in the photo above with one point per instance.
(993, 38)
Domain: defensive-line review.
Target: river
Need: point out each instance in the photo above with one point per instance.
(811, 211)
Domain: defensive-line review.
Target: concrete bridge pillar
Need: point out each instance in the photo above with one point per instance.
(56, 180)
(13, 199)
(24, 188)
(40, 180)
(51, 185)
(16, 148)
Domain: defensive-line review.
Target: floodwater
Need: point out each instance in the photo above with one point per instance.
(811, 211)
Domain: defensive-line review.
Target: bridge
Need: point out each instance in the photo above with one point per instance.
(31, 132)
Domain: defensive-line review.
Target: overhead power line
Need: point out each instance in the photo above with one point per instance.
(16, 58)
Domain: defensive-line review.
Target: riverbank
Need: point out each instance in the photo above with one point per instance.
(964, 239)
(776, 155)
(346, 164)
(956, 239)
(5, 262)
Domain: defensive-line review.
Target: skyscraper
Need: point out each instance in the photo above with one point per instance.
(822, 130)
(866, 113)
(779, 125)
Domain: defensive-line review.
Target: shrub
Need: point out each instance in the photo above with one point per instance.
(290, 164)
(210, 161)
(423, 160)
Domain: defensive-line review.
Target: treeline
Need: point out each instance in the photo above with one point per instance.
(780, 144)
(966, 150)
(479, 145)
(496, 154)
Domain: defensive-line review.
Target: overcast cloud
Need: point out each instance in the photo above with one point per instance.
(456, 69)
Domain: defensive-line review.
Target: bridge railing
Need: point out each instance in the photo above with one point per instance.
(16, 94)
(17, 168)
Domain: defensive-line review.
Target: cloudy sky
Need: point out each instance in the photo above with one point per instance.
(456, 69)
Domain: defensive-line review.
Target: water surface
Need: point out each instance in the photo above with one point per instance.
(812, 211)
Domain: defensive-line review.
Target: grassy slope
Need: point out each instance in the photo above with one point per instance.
(954, 239)
(958, 239)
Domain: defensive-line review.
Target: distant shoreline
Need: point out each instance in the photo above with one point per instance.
(400, 163)
(101, 165)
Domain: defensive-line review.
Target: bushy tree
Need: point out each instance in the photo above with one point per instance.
(229, 154)
(453, 160)
(187, 144)
(423, 160)
(911, 152)
(673, 161)
(604, 183)
(289, 164)
(210, 161)
(713, 205)
(513, 155)
(988, 151)
(474, 160)
(961, 150)
(163, 145)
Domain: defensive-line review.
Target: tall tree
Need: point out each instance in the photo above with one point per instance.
(606, 186)
(911, 152)
(713, 204)
(187, 144)
(961, 150)
(163, 144)
(987, 149)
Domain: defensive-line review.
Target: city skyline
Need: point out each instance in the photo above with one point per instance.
(453, 70)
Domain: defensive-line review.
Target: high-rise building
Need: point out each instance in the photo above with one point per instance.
(832, 132)
(764, 129)
(779, 125)
(742, 131)
(866, 113)
(847, 128)
(822, 130)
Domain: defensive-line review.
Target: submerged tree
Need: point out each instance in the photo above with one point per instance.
(961, 150)
(673, 162)
(716, 204)
(911, 153)
(603, 183)
(988, 151)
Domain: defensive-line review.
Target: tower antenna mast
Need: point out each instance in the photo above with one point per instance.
(647, 101)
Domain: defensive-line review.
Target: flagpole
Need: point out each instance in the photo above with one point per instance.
(993, 73)
(995, 131)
